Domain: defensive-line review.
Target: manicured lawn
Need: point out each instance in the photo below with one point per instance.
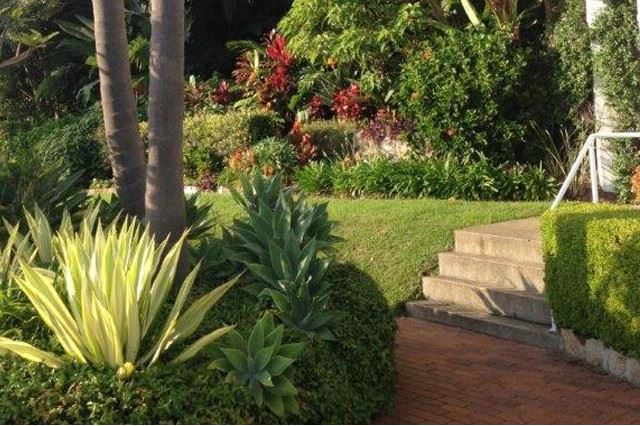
(396, 241)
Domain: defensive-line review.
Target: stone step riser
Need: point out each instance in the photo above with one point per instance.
(518, 249)
(498, 272)
(490, 300)
(514, 330)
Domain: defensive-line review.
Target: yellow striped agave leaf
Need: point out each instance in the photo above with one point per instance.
(29, 352)
(41, 234)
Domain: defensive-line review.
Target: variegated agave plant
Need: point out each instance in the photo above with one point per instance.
(115, 282)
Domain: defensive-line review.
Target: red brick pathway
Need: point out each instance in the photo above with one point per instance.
(447, 375)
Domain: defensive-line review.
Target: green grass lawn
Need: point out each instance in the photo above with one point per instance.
(396, 241)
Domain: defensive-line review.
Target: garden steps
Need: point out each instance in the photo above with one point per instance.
(492, 283)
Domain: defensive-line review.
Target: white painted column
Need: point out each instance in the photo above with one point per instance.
(605, 116)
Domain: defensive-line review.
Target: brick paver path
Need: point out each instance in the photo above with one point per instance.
(447, 375)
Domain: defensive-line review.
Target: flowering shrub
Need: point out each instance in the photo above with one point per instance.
(243, 160)
(268, 74)
(386, 125)
(318, 109)
(348, 103)
(305, 148)
(222, 94)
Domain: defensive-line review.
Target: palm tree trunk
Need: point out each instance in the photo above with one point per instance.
(165, 204)
(119, 105)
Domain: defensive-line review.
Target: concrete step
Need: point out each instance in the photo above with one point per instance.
(485, 298)
(481, 322)
(515, 240)
(502, 273)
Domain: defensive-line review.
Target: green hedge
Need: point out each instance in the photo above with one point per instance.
(347, 381)
(592, 255)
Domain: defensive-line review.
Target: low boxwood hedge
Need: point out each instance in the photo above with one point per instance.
(592, 256)
(350, 380)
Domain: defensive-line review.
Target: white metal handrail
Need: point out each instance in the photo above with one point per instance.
(589, 147)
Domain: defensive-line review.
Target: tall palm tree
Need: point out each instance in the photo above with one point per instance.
(165, 205)
(119, 105)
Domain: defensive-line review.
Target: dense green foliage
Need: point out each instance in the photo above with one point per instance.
(439, 178)
(569, 48)
(210, 139)
(592, 272)
(341, 39)
(463, 91)
(346, 381)
(26, 181)
(75, 142)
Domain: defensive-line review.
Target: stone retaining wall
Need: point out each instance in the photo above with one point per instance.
(594, 352)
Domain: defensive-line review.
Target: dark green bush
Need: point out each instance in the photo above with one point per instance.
(592, 273)
(210, 139)
(449, 177)
(618, 62)
(75, 142)
(462, 90)
(331, 137)
(569, 45)
(347, 381)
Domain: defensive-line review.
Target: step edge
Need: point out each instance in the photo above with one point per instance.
(485, 286)
(535, 334)
(494, 260)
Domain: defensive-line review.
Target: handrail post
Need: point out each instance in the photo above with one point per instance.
(573, 172)
(594, 171)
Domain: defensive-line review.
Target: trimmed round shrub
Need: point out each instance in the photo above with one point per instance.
(461, 89)
(350, 380)
(332, 138)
